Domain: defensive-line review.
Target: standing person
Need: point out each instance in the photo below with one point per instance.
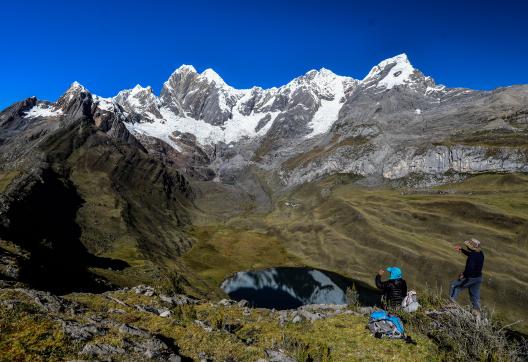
(471, 277)
(394, 289)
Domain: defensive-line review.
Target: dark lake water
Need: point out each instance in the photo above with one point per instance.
(287, 288)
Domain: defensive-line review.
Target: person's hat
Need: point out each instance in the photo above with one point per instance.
(395, 272)
(473, 244)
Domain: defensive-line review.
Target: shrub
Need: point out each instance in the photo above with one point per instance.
(460, 335)
(352, 296)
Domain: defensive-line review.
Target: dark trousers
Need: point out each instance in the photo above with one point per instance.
(472, 285)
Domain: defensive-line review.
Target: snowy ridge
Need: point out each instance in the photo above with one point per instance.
(204, 105)
(324, 86)
(332, 86)
(235, 129)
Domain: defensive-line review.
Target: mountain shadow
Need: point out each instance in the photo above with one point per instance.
(43, 221)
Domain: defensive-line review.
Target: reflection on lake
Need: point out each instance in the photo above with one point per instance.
(288, 288)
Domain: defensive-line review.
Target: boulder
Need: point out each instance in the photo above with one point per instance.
(278, 356)
(101, 350)
(127, 329)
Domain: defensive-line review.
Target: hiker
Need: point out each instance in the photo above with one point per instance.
(471, 277)
(394, 289)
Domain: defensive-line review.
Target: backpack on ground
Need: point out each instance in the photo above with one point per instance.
(410, 302)
(385, 325)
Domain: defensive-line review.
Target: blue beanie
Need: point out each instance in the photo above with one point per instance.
(395, 272)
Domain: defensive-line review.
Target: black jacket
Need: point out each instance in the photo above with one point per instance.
(393, 291)
(474, 263)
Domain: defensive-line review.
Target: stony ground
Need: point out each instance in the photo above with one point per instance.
(141, 324)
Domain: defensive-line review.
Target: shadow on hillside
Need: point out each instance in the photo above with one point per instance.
(43, 221)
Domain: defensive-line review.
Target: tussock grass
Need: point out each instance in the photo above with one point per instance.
(459, 335)
(29, 335)
(244, 337)
(237, 333)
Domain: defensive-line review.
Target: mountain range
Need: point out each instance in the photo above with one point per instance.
(393, 124)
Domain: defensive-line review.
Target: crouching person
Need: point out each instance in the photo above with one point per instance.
(394, 289)
(471, 277)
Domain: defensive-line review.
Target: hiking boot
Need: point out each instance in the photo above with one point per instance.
(476, 313)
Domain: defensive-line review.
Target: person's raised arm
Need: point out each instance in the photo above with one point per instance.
(379, 283)
(460, 249)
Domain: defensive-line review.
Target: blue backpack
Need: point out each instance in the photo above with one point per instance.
(385, 325)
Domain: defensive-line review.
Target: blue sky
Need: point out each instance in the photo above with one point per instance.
(111, 45)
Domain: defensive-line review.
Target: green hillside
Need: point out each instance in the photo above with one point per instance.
(335, 224)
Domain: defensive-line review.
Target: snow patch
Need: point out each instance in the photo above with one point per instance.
(328, 111)
(156, 129)
(41, 110)
(105, 104)
(238, 127)
(438, 88)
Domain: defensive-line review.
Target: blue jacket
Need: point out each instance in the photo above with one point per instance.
(474, 263)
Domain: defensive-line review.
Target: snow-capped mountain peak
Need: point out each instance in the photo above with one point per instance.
(72, 92)
(398, 59)
(212, 77)
(77, 85)
(185, 68)
(322, 82)
(140, 87)
(137, 92)
(74, 88)
(139, 100)
(321, 73)
(391, 72)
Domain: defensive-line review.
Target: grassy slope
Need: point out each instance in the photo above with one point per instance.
(6, 177)
(492, 138)
(354, 230)
(222, 251)
(30, 334)
(133, 208)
